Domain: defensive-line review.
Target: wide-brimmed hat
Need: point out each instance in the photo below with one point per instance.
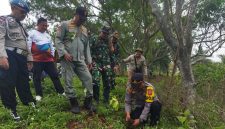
(139, 49)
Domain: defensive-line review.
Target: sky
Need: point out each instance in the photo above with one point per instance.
(5, 10)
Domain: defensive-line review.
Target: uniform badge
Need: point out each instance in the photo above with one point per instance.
(150, 94)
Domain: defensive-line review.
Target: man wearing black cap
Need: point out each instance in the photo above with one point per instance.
(140, 101)
(100, 51)
(73, 50)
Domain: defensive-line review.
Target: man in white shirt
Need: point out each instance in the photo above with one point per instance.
(41, 46)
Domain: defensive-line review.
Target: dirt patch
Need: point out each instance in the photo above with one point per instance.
(75, 125)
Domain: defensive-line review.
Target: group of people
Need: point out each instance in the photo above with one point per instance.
(89, 57)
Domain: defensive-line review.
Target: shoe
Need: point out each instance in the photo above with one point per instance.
(38, 98)
(15, 116)
(89, 105)
(62, 94)
(32, 104)
(74, 106)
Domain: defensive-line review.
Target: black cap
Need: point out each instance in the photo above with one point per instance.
(137, 77)
(81, 11)
(105, 29)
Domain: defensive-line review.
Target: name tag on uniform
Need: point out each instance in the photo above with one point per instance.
(150, 94)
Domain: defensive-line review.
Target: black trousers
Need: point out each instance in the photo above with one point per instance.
(16, 77)
(50, 69)
(154, 114)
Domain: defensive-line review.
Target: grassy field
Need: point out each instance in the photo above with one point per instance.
(53, 111)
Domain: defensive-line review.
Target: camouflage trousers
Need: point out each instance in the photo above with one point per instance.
(106, 73)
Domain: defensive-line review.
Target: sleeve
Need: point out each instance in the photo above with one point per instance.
(59, 43)
(52, 47)
(145, 111)
(128, 59)
(145, 67)
(29, 40)
(127, 101)
(29, 45)
(2, 38)
(116, 54)
(87, 52)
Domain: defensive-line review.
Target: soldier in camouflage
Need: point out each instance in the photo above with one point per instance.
(15, 58)
(100, 51)
(141, 101)
(114, 57)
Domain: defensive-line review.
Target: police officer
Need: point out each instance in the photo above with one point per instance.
(140, 99)
(100, 51)
(114, 57)
(15, 58)
(74, 51)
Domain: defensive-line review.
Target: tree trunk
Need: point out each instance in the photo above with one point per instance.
(188, 81)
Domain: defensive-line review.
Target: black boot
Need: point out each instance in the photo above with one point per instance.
(74, 106)
(89, 105)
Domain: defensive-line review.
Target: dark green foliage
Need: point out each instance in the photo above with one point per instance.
(210, 79)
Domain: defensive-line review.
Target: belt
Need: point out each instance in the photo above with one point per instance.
(17, 50)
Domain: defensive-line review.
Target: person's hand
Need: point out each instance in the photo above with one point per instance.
(29, 65)
(68, 57)
(89, 66)
(4, 63)
(136, 122)
(127, 116)
(116, 69)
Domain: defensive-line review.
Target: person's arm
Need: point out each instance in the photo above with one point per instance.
(127, 104)
(145, 67)
(52, 47)
(29, 45)
(145, 111)
(128, 59)
(59, 42)
(2, 38)
(3, 55)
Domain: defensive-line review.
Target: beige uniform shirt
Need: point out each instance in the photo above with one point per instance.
(141, 63)
(73, 40)
(12, 35)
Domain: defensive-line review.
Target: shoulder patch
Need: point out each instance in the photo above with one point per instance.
(2, 20)
(84, 30)
(71, 25)
(150, 94)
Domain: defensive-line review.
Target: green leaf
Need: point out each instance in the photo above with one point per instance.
(181, 119)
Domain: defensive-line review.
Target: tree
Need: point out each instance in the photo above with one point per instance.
(184, 25)
(131, 18)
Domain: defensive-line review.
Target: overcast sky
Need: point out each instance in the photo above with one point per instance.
(5, 10)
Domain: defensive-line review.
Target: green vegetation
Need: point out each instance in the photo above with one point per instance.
(53, 111)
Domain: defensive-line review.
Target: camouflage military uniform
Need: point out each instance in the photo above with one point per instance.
(114, 58)
(100, 55)
(13, 46)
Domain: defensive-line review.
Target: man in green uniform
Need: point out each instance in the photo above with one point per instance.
(73, 49)
(100, 51)
(114, 57)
